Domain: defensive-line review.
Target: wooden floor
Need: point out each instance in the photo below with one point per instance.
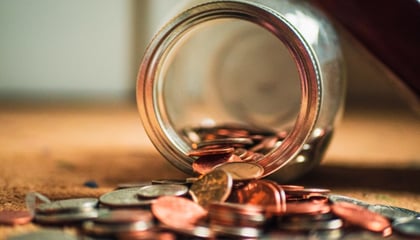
(55, 149)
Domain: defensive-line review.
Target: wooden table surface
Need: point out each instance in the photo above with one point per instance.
(54, 149)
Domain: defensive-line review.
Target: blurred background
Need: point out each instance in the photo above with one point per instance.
(90, 50)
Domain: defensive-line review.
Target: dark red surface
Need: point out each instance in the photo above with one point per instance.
(390, 30)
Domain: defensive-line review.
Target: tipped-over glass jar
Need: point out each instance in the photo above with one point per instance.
(256, 81)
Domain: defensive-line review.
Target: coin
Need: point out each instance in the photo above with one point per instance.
(205, 164)
(409, 226)
(362, 217)
(214, 186)
(158, 190)
(235, 214)
(119, 221)
(170, 181)
(177, 212)
(238, 142)
(66, 217)
(210, 151)
(132, 185)
(15, 217)
(234, 231)
(304, 225)
(125, 216)
(392, 212)
(67, 205)
(335, 198)
(261, 192)
(126, 197)
(307, 208)
(242, 171)
(44, 234)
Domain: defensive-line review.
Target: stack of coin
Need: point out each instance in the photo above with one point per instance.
(120, 222)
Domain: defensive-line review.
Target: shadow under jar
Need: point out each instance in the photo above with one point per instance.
(266, 71)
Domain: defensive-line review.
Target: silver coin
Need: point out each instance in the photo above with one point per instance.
(132, 185)
(392, 212)
(62, 218)
(44, 234)
(335, 198)
(126, 197)
(100, 229)
(67, 205)
(409, 226)
(170, 181)
(234, 231)
(305, 225)
(158, 190)
(195, 231)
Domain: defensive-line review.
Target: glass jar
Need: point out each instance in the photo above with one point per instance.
(268, 69)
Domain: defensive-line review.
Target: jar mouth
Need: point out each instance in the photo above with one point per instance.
(151, 104)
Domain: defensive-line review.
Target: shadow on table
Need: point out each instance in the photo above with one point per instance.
(389, 179)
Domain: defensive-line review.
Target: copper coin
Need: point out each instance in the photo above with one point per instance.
(210, 151)
(234, 214)
(261, 192)
(226, 142)
(177, 212)
(214, 186)
(205, 164)
(307, 208)
(15, 217)
(361, 217)
(242, 171)
(291, 187)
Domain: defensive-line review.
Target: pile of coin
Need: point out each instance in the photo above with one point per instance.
(218, 206)
(229, 199)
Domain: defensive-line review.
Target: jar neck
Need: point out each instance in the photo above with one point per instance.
(149, 89)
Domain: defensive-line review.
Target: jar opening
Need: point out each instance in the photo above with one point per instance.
(225, 69)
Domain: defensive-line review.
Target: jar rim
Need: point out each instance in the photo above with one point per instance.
(157, 124)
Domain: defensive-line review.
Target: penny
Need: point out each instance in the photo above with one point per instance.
(225, 142)
(158, 190)
(15, 217)
(361, 217)
(67, 205)
(261, 192)
(126, 197)
(242, 171)
(210, 151)
(214, 186)
(205, 164)
(177, 212)
(307, 208)
(291, 187)
(235, 214)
